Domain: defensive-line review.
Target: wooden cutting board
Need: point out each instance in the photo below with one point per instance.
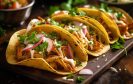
(97, 65)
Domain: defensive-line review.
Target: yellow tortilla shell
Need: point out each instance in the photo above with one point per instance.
(87, 21)
(129, 19)
(40, 63)
(111, 24)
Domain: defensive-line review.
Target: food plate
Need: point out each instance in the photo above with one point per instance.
(96, 65)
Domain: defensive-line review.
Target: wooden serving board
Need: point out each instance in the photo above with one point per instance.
(97, 65)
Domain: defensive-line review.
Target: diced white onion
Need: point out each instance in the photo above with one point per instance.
(86, 72)
(87, 6)
(65, 78)
(61, 53)
(32, 53)
(58, 11)
(32, 23)
(84, 26)
(50, 43)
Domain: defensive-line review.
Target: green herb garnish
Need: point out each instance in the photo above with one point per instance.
(67, 6)
(79, 79)
(32, 38)
(29, 38)
(73, 12)
(53, 22)
(118, 15)
(53, 35)
(2, 31)
(82, 13)
(118, 45)
(42, 47)
(58, 44)
(103, 7)
(22, 38)
(70, 76)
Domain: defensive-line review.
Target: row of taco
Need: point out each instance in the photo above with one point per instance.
(62, 42)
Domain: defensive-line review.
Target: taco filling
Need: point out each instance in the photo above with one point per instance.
(116, 14)
(121, 22)
(56, 51)
(99, 16)
(86, 35)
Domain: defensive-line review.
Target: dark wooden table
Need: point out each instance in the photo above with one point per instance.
(120, 73)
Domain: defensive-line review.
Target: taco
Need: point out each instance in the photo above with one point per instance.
(93, 38)
(105, 21)
(122, 20)
(48, 48)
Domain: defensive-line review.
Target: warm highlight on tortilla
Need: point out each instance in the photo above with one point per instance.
(41, 63)
(105, 21)
(90, 23)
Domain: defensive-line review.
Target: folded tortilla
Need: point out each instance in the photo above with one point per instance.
(109, 25)
(126, 20)
(41, 63)
(90, 23)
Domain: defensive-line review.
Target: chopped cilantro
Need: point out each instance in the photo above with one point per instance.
(67, 6)
(29, 38)
(78, 63)
(109, 10)
(53, 35)
(70, 76)
(118, 45)
(42, 47)
(2, 31)
(44, 34)
(79, 79)
(118, 15)
(121, 41)
(53, 22)
(73, 12)
(58, 44)
(81, 13)
(22, 38)
(103, 7)
(32, 38)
